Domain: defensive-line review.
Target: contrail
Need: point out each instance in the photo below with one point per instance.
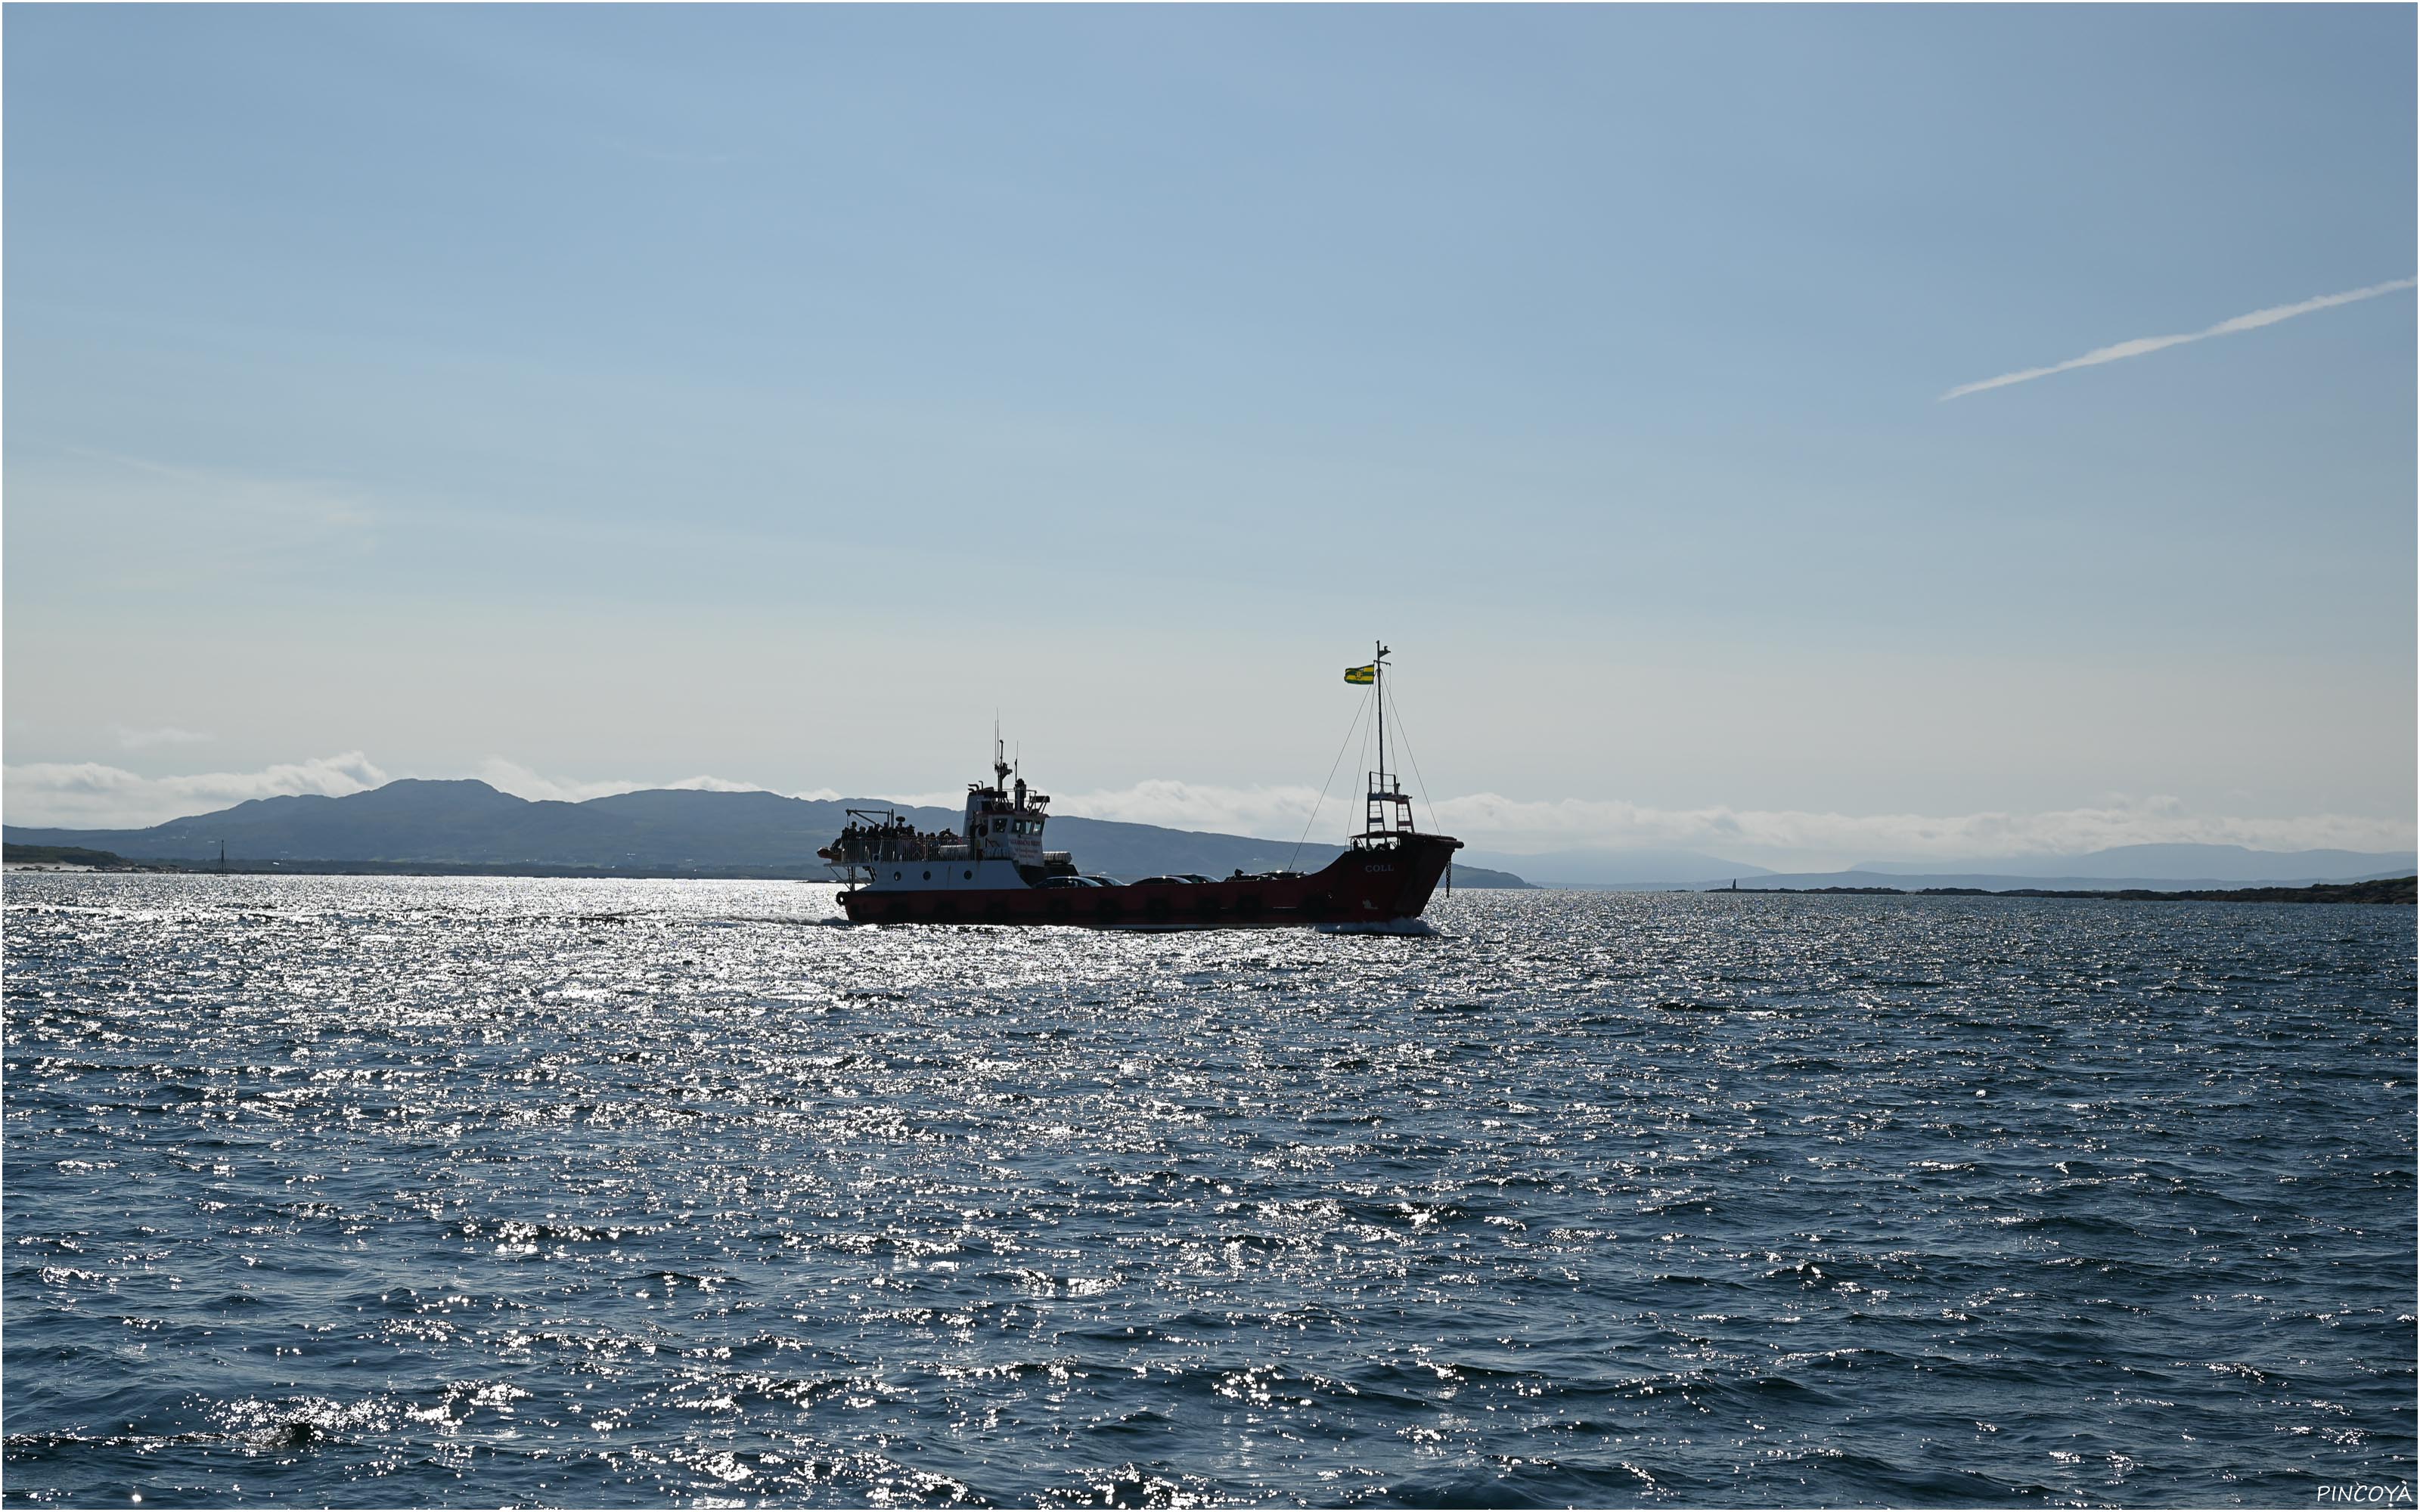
(2151, 344)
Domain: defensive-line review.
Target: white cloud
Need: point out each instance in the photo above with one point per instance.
(93, 796)
(513, 778)
(1496, 823)
(166, 734)
(90, 795)
(2141, 345)
(1271, 813)
(1759, 835)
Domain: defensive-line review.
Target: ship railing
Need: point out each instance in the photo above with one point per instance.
(890, 847)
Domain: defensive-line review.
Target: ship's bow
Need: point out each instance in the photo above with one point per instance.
(1425, 859)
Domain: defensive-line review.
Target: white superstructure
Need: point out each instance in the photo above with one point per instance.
(1000, 845)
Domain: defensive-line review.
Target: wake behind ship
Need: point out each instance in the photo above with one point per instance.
(995, 871)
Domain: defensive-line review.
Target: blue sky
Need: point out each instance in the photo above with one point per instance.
(588, 396)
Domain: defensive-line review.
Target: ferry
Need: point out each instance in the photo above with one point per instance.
(997, 870)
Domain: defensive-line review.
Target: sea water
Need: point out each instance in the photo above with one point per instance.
(372, 1191)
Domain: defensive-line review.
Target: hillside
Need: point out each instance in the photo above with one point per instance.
(468, 824)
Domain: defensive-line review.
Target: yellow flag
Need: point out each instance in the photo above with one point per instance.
(1361, 674)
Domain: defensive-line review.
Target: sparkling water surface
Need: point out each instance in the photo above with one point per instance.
(375, 1191)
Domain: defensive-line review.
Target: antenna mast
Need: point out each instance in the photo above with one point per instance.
(1378, 678)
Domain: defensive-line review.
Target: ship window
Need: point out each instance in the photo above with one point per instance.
(970, 876)
(928, 877)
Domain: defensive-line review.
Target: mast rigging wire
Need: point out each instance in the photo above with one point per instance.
(1404, 737)
(1359, 710)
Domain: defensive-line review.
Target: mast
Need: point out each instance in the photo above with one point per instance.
(1378, 678)
(1377, 817)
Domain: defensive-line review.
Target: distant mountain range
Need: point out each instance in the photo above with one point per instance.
(2218, 863)
(469, 823)
(2162, 868)
(2071, 882)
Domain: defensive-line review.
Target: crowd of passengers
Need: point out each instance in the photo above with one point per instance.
(897, 842)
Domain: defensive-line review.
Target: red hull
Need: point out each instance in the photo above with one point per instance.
(1378, 885)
